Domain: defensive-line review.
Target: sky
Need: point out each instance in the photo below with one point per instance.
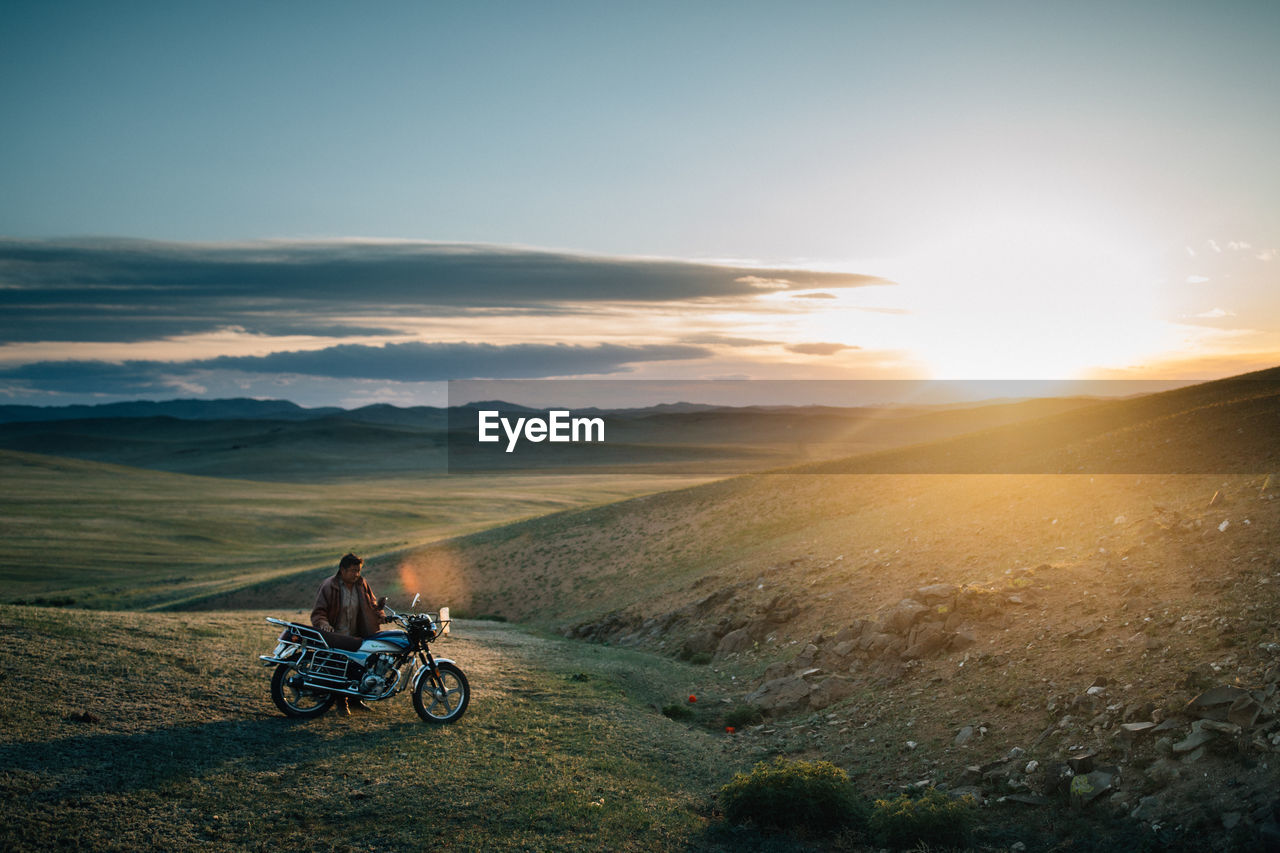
(342, 204)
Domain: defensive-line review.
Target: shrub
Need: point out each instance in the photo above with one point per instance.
(744, 715)
(676, 711)
(795, 795)
(933, 818)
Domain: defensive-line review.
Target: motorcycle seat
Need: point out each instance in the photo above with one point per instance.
(342, 642)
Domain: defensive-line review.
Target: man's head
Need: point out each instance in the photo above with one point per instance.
(349, 568)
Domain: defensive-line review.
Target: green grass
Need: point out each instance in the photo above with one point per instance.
(561, 748)
(107, 536)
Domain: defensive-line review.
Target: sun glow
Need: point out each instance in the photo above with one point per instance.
(1033, 299)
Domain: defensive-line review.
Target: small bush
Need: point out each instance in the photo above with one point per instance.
(677, 711)
(933, 818)
(795, 795)
(744, 715)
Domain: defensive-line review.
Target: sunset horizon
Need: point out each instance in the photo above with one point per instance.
(354, 211)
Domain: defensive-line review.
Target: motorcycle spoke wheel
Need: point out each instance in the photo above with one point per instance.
(443, 700)
(295, 700)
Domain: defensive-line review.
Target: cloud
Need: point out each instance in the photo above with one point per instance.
(427, 362)
(813, 296)
(727, 341)
(407, 362)
(1216, 313)
(131, 290)
(819, 348)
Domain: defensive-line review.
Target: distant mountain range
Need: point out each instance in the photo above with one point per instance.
(188, 410)
(1222, 426)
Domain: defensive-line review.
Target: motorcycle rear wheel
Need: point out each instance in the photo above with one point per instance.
(443, 701)
(294, 700)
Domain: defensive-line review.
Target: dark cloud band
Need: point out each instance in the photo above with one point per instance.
(136, 290)
(407, 362)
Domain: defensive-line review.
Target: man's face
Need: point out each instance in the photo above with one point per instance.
(351, 573)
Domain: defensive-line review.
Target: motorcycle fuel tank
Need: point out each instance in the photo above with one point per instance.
(385, 641)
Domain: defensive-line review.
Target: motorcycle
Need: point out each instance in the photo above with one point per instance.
(312, 669)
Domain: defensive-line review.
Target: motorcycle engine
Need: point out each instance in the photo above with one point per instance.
(379, 676)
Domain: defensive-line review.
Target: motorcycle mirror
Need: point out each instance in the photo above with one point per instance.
(414, 603)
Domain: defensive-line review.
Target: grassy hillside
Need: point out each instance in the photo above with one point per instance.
(657, 552)
(183, 750)
(111, 536)
(1085, 602)
(1115, 565)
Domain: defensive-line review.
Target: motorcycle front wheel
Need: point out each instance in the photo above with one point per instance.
(442, 700)
(294, 699)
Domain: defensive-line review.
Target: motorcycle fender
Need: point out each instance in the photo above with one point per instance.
(422, 671)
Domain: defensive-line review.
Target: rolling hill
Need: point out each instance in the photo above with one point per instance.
(1065, 605)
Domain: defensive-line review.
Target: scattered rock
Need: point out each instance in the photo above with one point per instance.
(1199, 737)
(1087, 787)
(1163, 773)
(1244, 712)
(938, 593)
(830, 691)
(781, 696)
(1215, 704)
(734, 642)
(1148, 809)
(904, 615)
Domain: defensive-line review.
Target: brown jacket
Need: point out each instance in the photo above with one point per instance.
(329, 605)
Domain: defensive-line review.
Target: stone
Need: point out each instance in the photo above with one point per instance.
(972, 791)
(1244, 712)
(1138, 711)
(735, 642)
(830, 691)
(1081, 762)
(1087, 787)
(781, 695)
(806, 657)
(701, 642)
(1148, 809)
(1137, 728)
(1163, 772)
(938, 593)
(1028, 799)
(964, 736)
(926, 640)
(1215, 704)
(885, 644)
(962, 639)
(844, 648)
(904, 615)
(1194, 741)
(778, 669)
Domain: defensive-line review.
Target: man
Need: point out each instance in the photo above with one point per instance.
(345, 605)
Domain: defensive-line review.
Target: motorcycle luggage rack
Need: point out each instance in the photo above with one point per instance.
(327, 666)
(306, 632)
